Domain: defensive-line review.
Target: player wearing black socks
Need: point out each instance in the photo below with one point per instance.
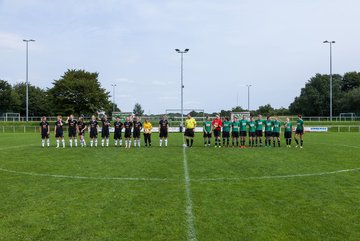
(299, 131)
(288, 132)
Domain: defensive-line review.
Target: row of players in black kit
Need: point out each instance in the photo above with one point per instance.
(132, 128)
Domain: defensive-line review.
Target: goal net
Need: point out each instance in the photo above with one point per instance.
(239, 115)
(122, 115)
(11, 116)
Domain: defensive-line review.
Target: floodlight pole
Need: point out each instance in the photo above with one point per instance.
(331, 89)
(27, 76)
(182, 83)
(248, 87)
(113, 85)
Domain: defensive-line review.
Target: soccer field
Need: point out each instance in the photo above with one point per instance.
(180, 194)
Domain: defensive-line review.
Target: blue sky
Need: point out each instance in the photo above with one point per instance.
(275, 46)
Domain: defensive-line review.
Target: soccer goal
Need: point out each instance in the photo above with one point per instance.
(239, 115)
(347, 116)
(11, 116)
(122, 115)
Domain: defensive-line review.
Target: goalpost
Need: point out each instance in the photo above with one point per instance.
(12, 116)
(178, 118)
(122, 115)
(239, 115)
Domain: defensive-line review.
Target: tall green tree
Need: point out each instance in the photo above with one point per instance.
(351, 80)
(314, 97)
(78, 92)
(9, 99)
(38, 100)
(350, 102)
(138, 110)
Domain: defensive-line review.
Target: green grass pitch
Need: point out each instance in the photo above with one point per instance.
(141, 194)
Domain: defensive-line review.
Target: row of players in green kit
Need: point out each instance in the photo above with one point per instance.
(255, 129)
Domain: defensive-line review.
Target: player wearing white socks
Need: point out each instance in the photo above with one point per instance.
(59, 135)
(136, 132)
(72, 130)
(105, 131)
(128, 126)
(163, 131)
(45, 132)
(118, 125)
(93, 131)
(81, 129)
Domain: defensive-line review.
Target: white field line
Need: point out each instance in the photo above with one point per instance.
(87, 177)
(334, 144)
(174, 180)
(275, 176)
(189, 204)
(14, 147)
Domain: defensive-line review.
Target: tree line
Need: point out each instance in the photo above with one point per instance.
(80, 92)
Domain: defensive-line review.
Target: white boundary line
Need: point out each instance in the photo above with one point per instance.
(189, 204)
(275, 176)
(86, 177)
(186, 180)
(329, 144)
(14, 147)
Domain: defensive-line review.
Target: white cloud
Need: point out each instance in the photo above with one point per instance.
(11, 41)
(162, 83)
(124, 80)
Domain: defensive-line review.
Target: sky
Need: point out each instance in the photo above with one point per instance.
(274, 46)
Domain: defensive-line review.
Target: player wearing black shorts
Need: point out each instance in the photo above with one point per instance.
(118, 125)
(105, 133)
(207, 131)
(163, 131)
(259, 131)
(243, 126)
(235, 132)
(59, 135)
(252, 131)
(72, 130)
(93, 131)
(288, 132)
(226, 131)
(128, 127)
(216, 127)
(299, 131)
(136, 132)
(268, 131)
(81, 129)
(45, 132)
(276, 131)
(190, 125)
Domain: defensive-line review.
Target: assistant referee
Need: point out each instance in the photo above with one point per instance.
(190, 124)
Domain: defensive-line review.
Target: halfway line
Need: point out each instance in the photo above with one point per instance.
(189, 212)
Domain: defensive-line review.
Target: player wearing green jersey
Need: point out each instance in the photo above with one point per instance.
(243, 124)
(299, 131)
(288, 132)
(207, 131)
(235, 129)
(276, 131)
(259, 130)
(226, 131)
(268, 131)
(252, 131)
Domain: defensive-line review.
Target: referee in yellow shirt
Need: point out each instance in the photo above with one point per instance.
(190, 125)
(147, 132)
